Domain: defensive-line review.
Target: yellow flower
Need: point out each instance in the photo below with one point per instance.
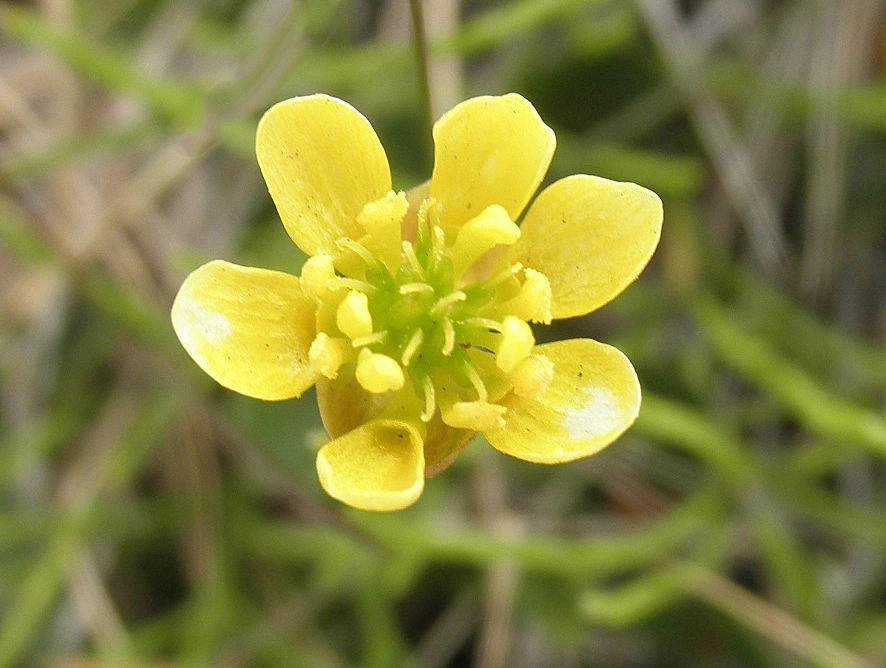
(411, 313)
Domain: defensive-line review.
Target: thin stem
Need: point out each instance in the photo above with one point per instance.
(419, 37)
(768, 620)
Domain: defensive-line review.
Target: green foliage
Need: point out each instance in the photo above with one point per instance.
(149, 517)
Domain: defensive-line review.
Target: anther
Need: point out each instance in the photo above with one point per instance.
(482, 233)
(412, 347)
(326, 354)
(353, 317)
(533, 302)
(382, 220)
(317, 274)
(444, 303)
(430, 400)
(448, 337)
(516, 345)
(378, 373)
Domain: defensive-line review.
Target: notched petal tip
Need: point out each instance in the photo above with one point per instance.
(593, 397)
(377, 466)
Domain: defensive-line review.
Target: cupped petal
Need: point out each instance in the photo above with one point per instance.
(322, 162)
(591, 237)
(488, 150)
(377, 466)
(593, 398)
(249, 329)
(345, 405)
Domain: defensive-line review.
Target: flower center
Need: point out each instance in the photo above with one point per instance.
(434, 317)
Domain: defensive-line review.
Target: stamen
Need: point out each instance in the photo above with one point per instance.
(378, 373)
(479, 386)
(326, 354)
(503, 275)
(353, 317)
(430, 401)
(372, 339)
(412, 258)
(448, 337)
(317, 275)
(482, 233)
(516, 345)
(483, 323)
(382, 220)
(413, 288)
(412, 347)
(365, 254)
(533, 302)
(352, 284)
(423, 240)
(438, 242)
(444, 303)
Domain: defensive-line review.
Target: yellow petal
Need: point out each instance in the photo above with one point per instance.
(592, 399)
(250, 329)
(322, 162)
(591, 237)
(443, 444)
(379, 465)
(488, 150)
(345, 405)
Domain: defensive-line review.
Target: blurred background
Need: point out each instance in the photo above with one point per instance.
(151, 518)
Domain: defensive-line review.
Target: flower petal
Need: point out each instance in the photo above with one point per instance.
(593, 398)
(377, 466)
(345, 405)
(443, 444)
(591, 237)
(322, 162)
(488, 150)
(250, 329)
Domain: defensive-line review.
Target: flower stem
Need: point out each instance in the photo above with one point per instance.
(419, 37)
